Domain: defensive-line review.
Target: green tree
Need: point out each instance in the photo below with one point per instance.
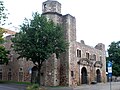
(38, 39)
(3, 52)
(3, 55)
(3, 13)
(114, 56)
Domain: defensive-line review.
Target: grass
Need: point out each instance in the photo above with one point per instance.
(3, 82)
(30, 86)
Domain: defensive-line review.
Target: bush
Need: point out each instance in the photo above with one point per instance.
(35, 87)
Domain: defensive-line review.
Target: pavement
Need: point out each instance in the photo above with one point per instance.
(98, 86)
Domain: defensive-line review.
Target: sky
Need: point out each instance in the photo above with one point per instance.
(97, 21)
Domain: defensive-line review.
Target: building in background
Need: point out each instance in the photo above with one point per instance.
(81, 64)
(15, 70)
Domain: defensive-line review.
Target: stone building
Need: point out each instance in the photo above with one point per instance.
(81, 64)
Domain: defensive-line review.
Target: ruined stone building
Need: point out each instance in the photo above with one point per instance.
(81, 64)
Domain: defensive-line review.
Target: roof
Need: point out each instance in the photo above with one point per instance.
(10, 32)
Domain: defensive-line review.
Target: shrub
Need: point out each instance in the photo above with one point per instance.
(35, 87)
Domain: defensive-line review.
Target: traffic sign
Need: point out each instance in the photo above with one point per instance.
(110, 69)
(109, 64)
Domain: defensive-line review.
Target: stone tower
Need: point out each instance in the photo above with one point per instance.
(51, 6)
(51, 9)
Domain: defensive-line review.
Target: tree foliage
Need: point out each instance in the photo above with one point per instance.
(1, 36)
(3, 52)
(114, 56)
(3, 13)
(3, 55)
(38, 39)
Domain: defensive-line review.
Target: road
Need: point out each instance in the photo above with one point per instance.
(12, 87)
(101, 86)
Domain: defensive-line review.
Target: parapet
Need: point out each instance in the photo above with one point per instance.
(100, 46)
(82, 42)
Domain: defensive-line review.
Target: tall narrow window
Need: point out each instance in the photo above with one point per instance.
(94, 57)
(0, 75)
(100, 58)
(78, 53)
(9, 76)
(87, 55)
(20, 76)
(72, 73)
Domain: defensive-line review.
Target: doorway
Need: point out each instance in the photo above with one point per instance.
(84, 76)
(34, 74)
(98, 77)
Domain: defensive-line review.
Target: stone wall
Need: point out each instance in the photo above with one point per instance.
(52, 71)
(69, 25)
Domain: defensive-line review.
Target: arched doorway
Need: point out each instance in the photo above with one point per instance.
(84, 76)
(34, 74)
(98, 77)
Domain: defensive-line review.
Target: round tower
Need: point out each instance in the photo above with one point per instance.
(51, 6)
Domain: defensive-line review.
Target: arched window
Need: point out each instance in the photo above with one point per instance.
(44, 5)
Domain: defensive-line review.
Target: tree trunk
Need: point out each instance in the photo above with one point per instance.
(39, 75)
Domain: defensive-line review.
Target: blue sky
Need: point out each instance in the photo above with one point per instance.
(98, 21)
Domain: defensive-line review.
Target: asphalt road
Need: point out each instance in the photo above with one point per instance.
(12, 87)
(100, 86)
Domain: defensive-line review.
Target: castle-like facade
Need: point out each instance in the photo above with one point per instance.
(81, 64)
